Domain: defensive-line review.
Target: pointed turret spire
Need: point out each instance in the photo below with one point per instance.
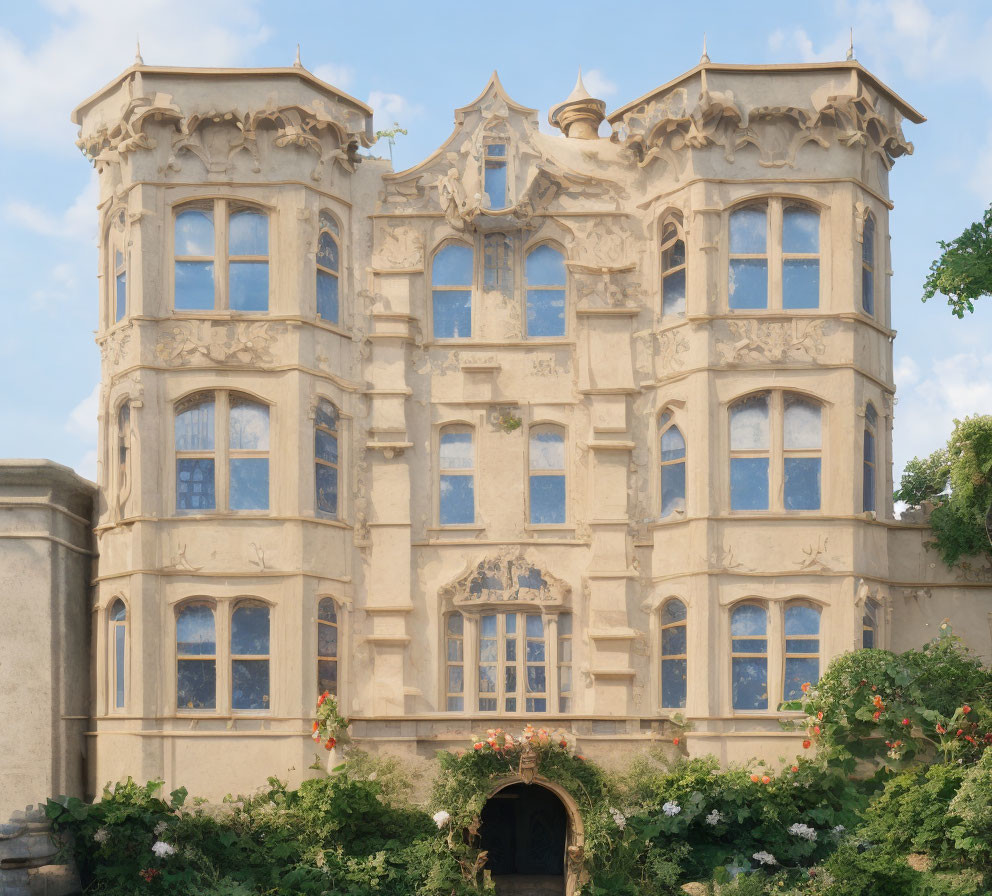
(579, 91)
(297, 63)
(705, 57)
(580, 115)
(137, 51)
(850, 47)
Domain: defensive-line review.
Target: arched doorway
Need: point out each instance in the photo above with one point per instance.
(526, 830)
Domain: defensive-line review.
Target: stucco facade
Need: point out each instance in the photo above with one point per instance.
(419, 434)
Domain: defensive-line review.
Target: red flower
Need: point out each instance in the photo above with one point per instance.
(322, 698)
(878, 702)
(316, 725)
(765, 779)
(816, 729)
(478, 746)
(905, 721)
(875, 715)
(754, 779)
(960, 732)
(969, 738)
(675, 741)
(795, 768)
(805, 686)
(149, 874)
(941, 729)
(563, 743)
(819, 716)
(807, 744)
(966, 709)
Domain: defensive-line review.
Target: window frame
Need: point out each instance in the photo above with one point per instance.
(673, 218)
(869, 265)
(455, 427)
(662, 426)
(235, 605)
(526, 288)
(799, 602)
(869, 466)
(663, 657)
(471, 288)
(496, 158)
(548, 425)
(336, 433)
(767, 637)
(118, 665)
(334, 231)
(458, 639)
(215, 657)
(336, 659)
(221, 208)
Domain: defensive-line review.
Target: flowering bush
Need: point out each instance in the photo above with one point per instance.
(330, 726)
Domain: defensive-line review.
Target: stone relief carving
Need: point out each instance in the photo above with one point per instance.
(507, 577)
(671, 345)
(114, 348)
(969, 572)
(753, 341)
(815, 556)
(256, 556)
(601, 242)
(398, 246)
(179, 561)
(724, 557)
(239, 342)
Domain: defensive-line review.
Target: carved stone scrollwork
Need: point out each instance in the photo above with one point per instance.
(752, 341)
(506, 578)
(398, 246)
(237, 343)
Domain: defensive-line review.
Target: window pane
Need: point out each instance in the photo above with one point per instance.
(489, 626)
(487, 650)
(871, 416)
(802, 645)
(456, 650)
(545, 312)
(194, 285)
(748, 283)
(327, 297)
(748, 619)
(868, 290)
(749, 424)
(196, 684)
(249, 287)
(799, 670)
(487, 681)
(195, 632)
(456, 624)
(452, 267)
(674, 255)
(868, 487)
(488, 704)
(452, 314)
(535, 704)
(195, 484)
(868, 638)
(327, 415)
(510, 649)
(119, 666)
(800, 283)
(510, 622)
(565, 651)
(457, 704)
(802, 620)
(868, 242)
(545, 267)
(802, 483)
(118, 613)
(547, 499)
(457, 500)
(750, 678)
(510, 680)
(250, 684)
(800, 230)
(121, 296)
(673, 640)
(673, 611)
(250, 631)
(195, 427)
(673, 290)
(673, 684)
(672, 488)
(326, 446)
(496, 183)
(749, 483)
(496, 255)
(748, 231)
(536, 680)
(749, 645)
(535, 651)
(248, 233)
(327, 611)
(249, 483)
(547, 450)
(535, 626)
(327, 221)
(327, 676)
(565, 624)
(327, 641)
(802, 425)
(249, 425)
(327, 489)
(672, 444)
(565, 680)
(496, 149)
(456, 679)
(195, 233)
(327, 252)
(456, 450)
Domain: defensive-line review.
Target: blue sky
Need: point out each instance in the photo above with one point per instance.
(415, 63)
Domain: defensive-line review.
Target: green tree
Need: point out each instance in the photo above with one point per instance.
(963, 272)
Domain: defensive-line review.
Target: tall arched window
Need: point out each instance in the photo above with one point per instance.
(750, 445)
(564, 662)
(800, 257)
(801, 447)
(248, 260)
(118, 630)
(454, 643)
(868, 479)
(195, 250)
(250, 656)
(802, 649)
(545, 292)
(457, 476)
(327, 465)
(673, 654)
(749, 656)
(327, 646)
(672, 457)
(748, 282)
(195, 454)
(328, 269)
(451, 285)
(869, 625)
(196, 658)
(495, 180)
(868, 265)
(547, 475)
(248, 454)
(673, 267)
(123, 450)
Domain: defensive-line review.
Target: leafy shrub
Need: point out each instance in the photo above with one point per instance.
(972, 806)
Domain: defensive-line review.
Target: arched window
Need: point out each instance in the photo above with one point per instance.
(673, 654)
(868, 265)
(328, 269)
(118, 630)
(802, 453)
(497, 263)
(800, 257)
(868, 479)
(120, 267)
(495, 181)
(457, 476)
(545, 292)
(211, 274)
(455, 662)
(195, 455)
(748, 282)
(250, 656)
(327, 646)
(749, 656)
(451, 284)
(327, 465)
(869, 625)
(196, 658)
(802, 649)
(547, 475)
(672, 455)
(564, 662)
(749, 453)
(673, 268)
(248, 454)
(123, 449)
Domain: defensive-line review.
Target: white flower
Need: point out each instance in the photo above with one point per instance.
(803, 830)
(441, 818)
(101, 835)
(765, 858)
(161, 828)
(671, 808)
(619, 818)
(838, 830)
(162, 849)
(714, 817)
(373, 776)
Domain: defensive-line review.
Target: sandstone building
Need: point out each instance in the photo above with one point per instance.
(594, 431)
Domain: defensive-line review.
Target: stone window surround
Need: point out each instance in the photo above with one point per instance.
(679, 415)
(111, 670)
(118, 240)
(675, 217)
(456, 425)
(568, 447)
(223, 609)
(344, 432)
(863, 266)
(522, 247)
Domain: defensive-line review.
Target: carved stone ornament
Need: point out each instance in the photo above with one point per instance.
(398, 246)
(114, 349)
(756, 342)
(245, 343)
(529, 760)
(506, 578)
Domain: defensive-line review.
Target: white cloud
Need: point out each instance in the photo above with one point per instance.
(340, 76)
(906, 372)
(77, 222)
(392, 107)
(82, 418)
(86, 465)
(981, 175)
(598, 84)
(796, 45)
(90, 42)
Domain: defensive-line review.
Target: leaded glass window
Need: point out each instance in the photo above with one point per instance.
(800, 257)
(327, 646)
(547, 475)
(454, 645)
(194, 265)
(118, 632)
(451, 285)
(327, 462)
(749, 656)
(802, 648)
(565, 662)
(250, 656)
(748, 282)
(513, 662)
(673, 654)
(248, 454)
(673, 267)
(495, 180)
(328, 269)
(195, 454)
(801, 434)
(672, 466)
(545, 292)
(868, 463)
(868, 265)
(196, 658)
(457, 476)
(750, 442)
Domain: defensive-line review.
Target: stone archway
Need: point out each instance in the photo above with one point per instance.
(535, 838)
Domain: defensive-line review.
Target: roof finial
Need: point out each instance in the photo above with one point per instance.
(850, 47)
(137, 51)
(297, 63)
(705, 57)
